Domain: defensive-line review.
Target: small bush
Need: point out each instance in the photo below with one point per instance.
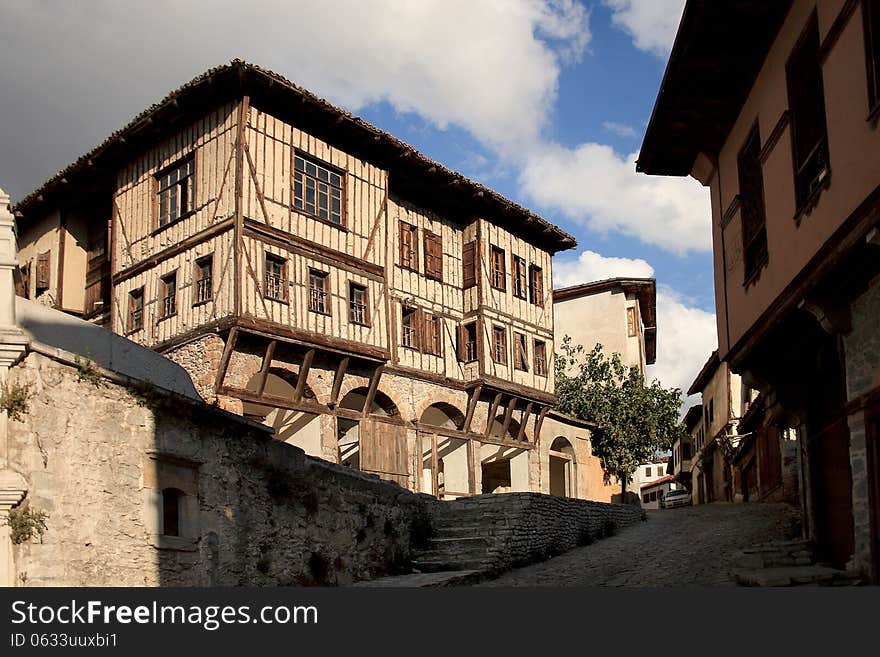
(87, 371)
(14, 400)
(25, 524)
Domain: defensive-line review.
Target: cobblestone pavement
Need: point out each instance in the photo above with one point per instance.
(690, 546)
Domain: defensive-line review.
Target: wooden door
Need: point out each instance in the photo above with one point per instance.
(832, 493)
(383, 450)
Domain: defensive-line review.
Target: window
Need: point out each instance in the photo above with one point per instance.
(540, 358)
(136, 309)
(499, 345)
(645, 498)
(647, 472)
(410, 337)
(469, 265)
(468, 342)
(751, 195)
(521, 357)
(536, 285)
(168, 296)
(631, 330)
(498, 273)
(276, 278)
(175, 188)
(871, 17)
(433, 256)
(204, 279)
(171, 511)
(711, 410)
(685, 451)
(654, 496)
(409, 254)
(433, 335)
(806, 100)
(520, 280)
(43, 276)
(25, 281)
(317, 190)
(318, 291)
(357, 304)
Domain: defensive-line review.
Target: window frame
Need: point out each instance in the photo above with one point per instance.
(283, 278)
(167, 293)
(433, 334)
(331, 169)
(520, 352)
(319, 295)
(497, 276)
(469, 265)
(540, 360)
(433, 262)
(138, 294)
(177, 496)
(754, 246)
(411, 263)
(536, 291)
(519, 277)
(466, 354)
(499, 356)
(199, 278)
(352, 286)
(189, 158)
(412, 330)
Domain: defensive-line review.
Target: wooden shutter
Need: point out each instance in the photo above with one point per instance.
(461, 344)
(469, 262)
(383, 450)
(43, 270)
(537, 285)
(433, 256)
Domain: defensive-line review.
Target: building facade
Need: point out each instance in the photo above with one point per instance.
(784, 134)
(316, 274)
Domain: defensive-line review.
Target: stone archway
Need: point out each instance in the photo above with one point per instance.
(446, 469)
(294, 427)
(376, 441)
(562, 468)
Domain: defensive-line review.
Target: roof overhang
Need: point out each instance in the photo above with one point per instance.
(692, 417)
(705, 374)
(718, 52)
(411, 174)
(645, 291)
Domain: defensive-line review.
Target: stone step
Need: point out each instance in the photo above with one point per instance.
(795, 576)
(439, 565)
(425, 580)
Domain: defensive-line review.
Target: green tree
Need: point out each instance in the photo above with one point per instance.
(636, 420)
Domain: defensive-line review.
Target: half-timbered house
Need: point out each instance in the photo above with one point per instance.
(316, 273)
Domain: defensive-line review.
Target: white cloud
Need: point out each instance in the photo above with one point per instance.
(652, 24)
(592, 185)
(620, 129)
(591, 266)
(489, 67)
(685, 338)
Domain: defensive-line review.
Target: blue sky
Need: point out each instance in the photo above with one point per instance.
(545, 101)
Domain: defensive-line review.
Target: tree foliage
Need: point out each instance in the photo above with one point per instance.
(636, 419)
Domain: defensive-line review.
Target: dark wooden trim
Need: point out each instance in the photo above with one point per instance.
(238, 246)
(337, 381)
(469, 436)
(309, 339)
(490, 418)
(225, 358)
(472, 406)
(280, 402)
(303, 375)
(111, 229)
(494, 313)
(836, 29)
(850, 233)
(371, 392)
(211, 328)
(264, 369)
(508, 415)
(421, 375)
(863, 401)
(525, 418)
(540, 423)
(514, 389)
(294, 244)
(171, 251)
(775, 135)
(731, 210)
(62, 230)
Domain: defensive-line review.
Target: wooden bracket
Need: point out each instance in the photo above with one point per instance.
(224, 359)
(472, 406)
(337, 381)
(264, 370)
(520, 435)
(303, 374)
(371, 393)
(490, 420)
(508, 416)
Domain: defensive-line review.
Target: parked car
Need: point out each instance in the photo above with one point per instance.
(675, 498)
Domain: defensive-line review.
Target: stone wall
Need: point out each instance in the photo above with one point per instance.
(98, 457)
(522, 528)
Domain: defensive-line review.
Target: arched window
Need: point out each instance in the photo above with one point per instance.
(171, 499)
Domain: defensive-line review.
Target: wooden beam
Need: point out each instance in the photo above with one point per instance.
(303, 374)
(435, 466)
(472, 406)
(264, 370)
(337, 381)
(490, 420)
(540, 422)
(224, 359)
(371, 393)
(520, 435)
(508, 416)
(279, 402)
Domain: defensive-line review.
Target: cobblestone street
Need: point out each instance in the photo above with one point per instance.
(691, 546)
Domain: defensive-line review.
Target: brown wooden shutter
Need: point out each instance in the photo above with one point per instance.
(402, 237)
(461, 345)
(433, 256)
(43, 270)
(538, 286)
(469, 262)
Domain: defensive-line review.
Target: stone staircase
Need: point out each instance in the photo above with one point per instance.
(788, 563)
(460, 542)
